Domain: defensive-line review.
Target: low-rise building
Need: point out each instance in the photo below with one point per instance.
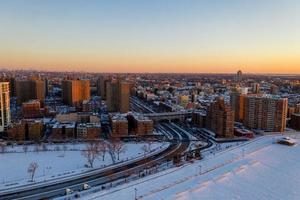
(62, 131)
(139, 125)
(26, 130)
(78, 117)
(243, 133)
(31, 109)
(88, 131)
(119, 125)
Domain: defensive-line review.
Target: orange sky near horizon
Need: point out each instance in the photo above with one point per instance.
(192, 36)
(154, 64)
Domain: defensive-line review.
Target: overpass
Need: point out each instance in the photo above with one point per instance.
(180, 115)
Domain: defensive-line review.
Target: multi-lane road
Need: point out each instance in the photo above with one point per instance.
(178, 137)
(51, 189)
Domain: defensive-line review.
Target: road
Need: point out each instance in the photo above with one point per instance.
(97, 177)
(137, 105)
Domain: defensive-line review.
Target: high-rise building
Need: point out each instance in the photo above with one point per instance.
(255, 88)
(12, 83)
(237, 102)
(30, 89)
(112, 96)
(265, 112)
(117, 96)
(124, 94)
(239, 76)
(101, 86)
(4, 106)
(75, 91)
(220, 118)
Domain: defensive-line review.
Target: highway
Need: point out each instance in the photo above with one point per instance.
(137, 105)
(97, 177)
(178, 137)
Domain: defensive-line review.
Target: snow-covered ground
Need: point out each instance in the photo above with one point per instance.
(259, 169)
(58, 161)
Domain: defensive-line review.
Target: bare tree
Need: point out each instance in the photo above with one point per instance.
(25, 148)
(91, 152)
(117, 147)
(32, 169)
(102, 148)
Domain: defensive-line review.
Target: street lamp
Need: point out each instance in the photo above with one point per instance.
(135, 193)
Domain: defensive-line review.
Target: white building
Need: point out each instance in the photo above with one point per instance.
(4, 106)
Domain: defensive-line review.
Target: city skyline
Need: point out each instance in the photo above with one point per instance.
(154, 37)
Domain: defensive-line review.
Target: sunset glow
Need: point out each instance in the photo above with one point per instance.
(258, 36)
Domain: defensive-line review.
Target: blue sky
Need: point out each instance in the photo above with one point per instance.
(151, 35)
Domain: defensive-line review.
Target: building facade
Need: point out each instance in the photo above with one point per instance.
(264, 112)
(4, 106)
(31, 109)
(75, 91)
(237, 102)
(117, 96)
(220, 118)
(29, 90)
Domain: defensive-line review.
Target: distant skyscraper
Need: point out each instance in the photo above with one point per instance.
(220, 118)
(256, 88)
(239, 76)
(117, 96)
(29, 90)
(75, 91)
(265, 112)
(4, 106)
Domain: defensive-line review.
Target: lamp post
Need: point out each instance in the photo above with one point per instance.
(135, 194)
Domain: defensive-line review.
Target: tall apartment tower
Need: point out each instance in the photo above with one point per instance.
(30, 90)
(220, 118)
(112, 98)
(4, 106)
(256, 88)
(124, 94)
(265, 112)
(101, 86)
(237, 102)
(75, 91)
(117, 96)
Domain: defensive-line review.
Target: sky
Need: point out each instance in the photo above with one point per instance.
(191, 36)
